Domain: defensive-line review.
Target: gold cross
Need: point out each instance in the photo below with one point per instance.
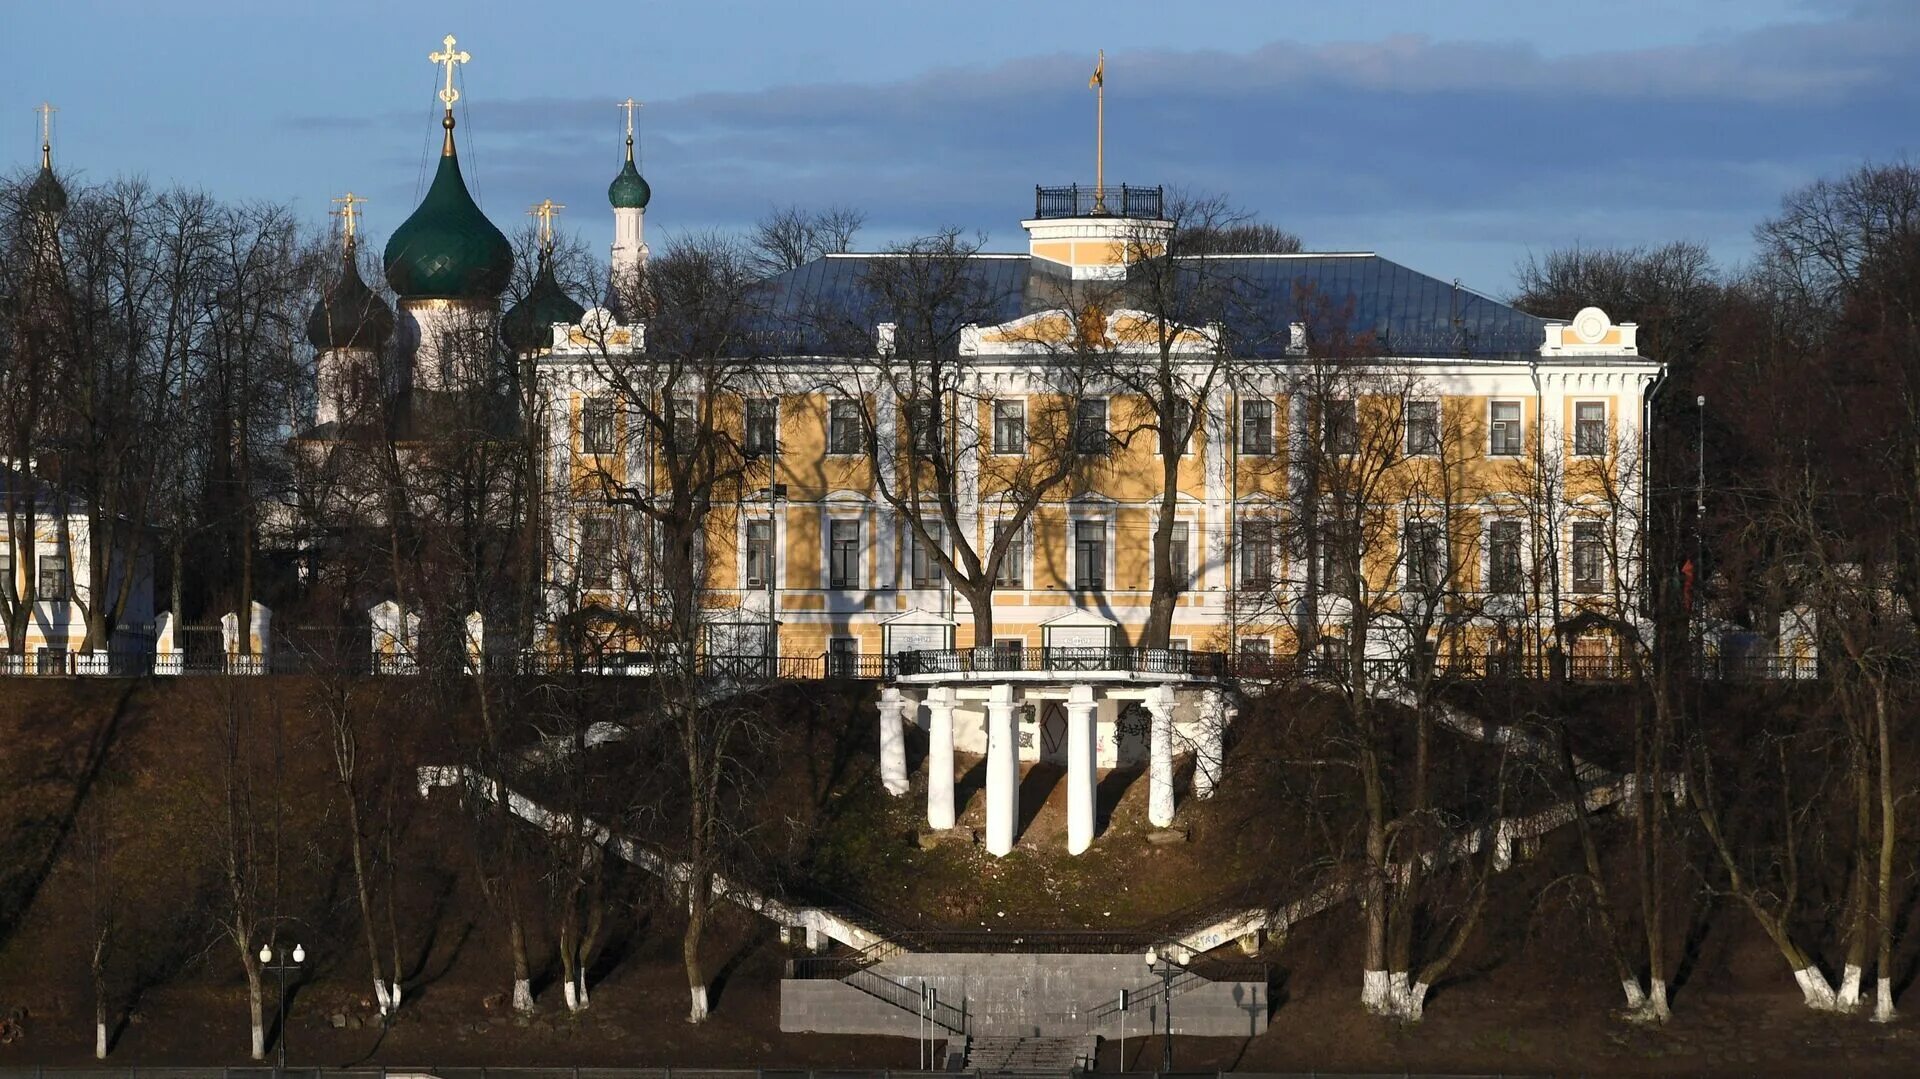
(447, 59)
(46, 112)
(347, 214)
(544, 210)
(630, 105)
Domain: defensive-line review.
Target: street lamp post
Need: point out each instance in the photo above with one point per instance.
(281, 970)
(1165, 968)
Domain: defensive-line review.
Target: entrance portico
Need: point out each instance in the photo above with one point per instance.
(1080, 706)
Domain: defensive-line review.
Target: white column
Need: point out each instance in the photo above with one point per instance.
(1080, 769)
(1003, 771)
(1210, 747)
(1160, 757)
(893, 743)
(940, 758)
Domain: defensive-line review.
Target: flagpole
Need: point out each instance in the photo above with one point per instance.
(1100, 136)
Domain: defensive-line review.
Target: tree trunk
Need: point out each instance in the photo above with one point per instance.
(980, 598)
(517, 941)
(365, 894)
(1883, 995)
(1166, 590)
(700, 888)
(256, 1024)
(99, 1018)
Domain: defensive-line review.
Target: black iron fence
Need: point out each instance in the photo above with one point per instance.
(431, 1072)
(1491, 668)
(1003, 660)
(325, 650)
(1113, 200)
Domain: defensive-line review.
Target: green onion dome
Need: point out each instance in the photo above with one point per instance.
(349, 315)
(448, 250)
(629, 190)
(47, 196)
(527, 324)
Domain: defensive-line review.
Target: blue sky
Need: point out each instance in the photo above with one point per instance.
(1455, 137)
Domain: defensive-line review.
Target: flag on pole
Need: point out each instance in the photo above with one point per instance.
(1099, 72)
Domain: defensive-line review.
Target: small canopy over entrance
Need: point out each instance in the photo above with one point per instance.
(915, 630)
(1078, 628)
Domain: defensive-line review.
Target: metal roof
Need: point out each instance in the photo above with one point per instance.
(1408, 313)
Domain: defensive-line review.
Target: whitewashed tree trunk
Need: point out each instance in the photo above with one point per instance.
(393, 992)
(1374, 992)
(380, 999)
(573, 1000)
(1848, 998)
(698, 1012)
(584, 999)
(100, 1041)
(1816, 991)
(1636, 998)
(522, 995)
(1394, 995)
(1883, 1000)
(253, 1015)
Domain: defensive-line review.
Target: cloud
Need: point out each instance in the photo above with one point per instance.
(1456, 156)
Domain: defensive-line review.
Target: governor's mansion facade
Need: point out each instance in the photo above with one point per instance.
(1471, 449)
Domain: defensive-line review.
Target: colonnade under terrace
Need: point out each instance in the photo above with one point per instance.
(1116, 709)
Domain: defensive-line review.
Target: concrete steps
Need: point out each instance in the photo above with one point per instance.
(1026, 1055)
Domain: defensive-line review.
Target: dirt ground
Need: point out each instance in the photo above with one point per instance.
(1530, 995)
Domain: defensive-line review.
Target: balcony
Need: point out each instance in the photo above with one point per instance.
(1025, 664)
(1074, 200)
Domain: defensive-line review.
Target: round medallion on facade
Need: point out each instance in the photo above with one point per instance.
(1591, 325)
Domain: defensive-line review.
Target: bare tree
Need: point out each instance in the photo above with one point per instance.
(241, 824)
(676, 474)
(962, 460)
(789, 237)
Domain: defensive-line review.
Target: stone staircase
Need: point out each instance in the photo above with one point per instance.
(1054, 1056)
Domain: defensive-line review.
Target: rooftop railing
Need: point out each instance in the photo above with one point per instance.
(1073, 200)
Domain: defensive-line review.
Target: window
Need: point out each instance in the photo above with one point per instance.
(1256, 646)
(1178, 560)
(763, 426)
(1423, 555)
(1506, 428)
(1090, 426)
(6, 561)
(1340, 428)
(1339, 557)
(1589, 557)
(1256, 427)
(760, 554)
(1256, 554)
(1090, 554)
(56, 581)
(923, 434)
(1590, 428)
(685, 420)
(925, 563)
(844, 426)
(1503, 558)
(596, 425)
(843, 657)
(1179, 416)
(843, 554)
(1009, 427)
(1013, 564)
(596, 553)
(1423, 428)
